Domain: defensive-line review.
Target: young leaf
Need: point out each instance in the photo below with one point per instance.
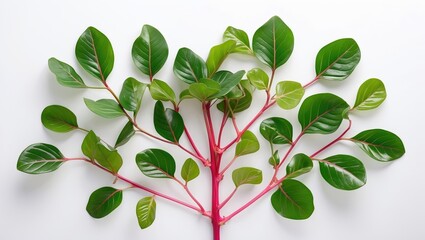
(189, 67)
(161, 91)
(276, 130)
(110, 159)
(299, 165)
(258, 78)
(40, 158)
(125, 135)
(65, 74)
(59, 119)
(248, 144)
(106, 108)
(168, 123)
(131, 94)
(156, 163)
(380, 144)
(90, 145)
(150, 51)
(371, 94)
(289, 94)
(217, 55)
(95, 54)
(337, 60)
(227, 81)
(145, 211)
(247, 175)
(321, 113)
(274, 160)
(103, 201)
(293, 200)
(185, 94)
(241, 39)
(273, 43)
(190, 170)
(205, 90)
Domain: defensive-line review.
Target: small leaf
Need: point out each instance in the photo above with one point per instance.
(217, 55)
(95, 54)
(125, 135)
(248, 144)
(380, 144)
(168, 123)
(343, 172)
(227, 81)
(338, 59)
(247, 175)
(371, 94)
(40, 158)
(146, 210)
(189, 67)
(274, 160)
(258, 78)
(299, 165)
(289, 94)
(90, 145)
(156, 163)
(204, 90)
(103, 201)
(232, 106)
(59, 119)
(131, 94)
(150, 51)
(293, 200)
(110, 159)
(190, 170)
(241, 39)
(106, 108)
(161, 91)
(65, 74)
(185, 94)
(276, 130)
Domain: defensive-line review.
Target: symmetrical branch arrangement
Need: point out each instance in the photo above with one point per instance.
(211, 87)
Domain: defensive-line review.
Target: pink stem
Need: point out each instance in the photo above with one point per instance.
(334, 141)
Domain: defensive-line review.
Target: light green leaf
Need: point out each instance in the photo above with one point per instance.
(185, 94)
(156, 163)
(146, 211)
(106, 108)
(161, 91)
(258, 78)
(125, 135)
(103, 201)
(110, 159)
(274, 160)
(248, 144)
(289, 94)
(300, 164)
(241, 39)
(168, 123)
(65, 74)
(227, 81)
(247, 175)
(59, 119)
(205, 90)
(132, 94)
(190, 170)
(40, 158)
(90, 145)
(217, 55)
(189, 67)
(276, 130)
(371, 94)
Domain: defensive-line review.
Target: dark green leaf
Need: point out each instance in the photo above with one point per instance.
(190, 170)
(370, 95)
(274, 160)
(289, 94)
(156, 163)
(168, 123)
(125, 135)
(110, 159)
(299, 165)
(161, 91)
(258, 78)
(131, 94)
(90, 145)
(241, 39)
(106, 108)
(145, 211)
(247, 175)
(231, 106)
(59, 119)
(205, 90)
(217, 55)
(248, 144)
(40, 158)
(189, 67)
(103, 201)
(227, 81)
(276, 130)
(65, 74)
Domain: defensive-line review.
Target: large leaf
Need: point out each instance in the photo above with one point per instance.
(145, 211)
(65, 74)
(189, 67)
(371, 94)
(293, 200)
(95, 54)
(168, 123)
(205, 89)
(276, 130)
(161, 91)
(217, 55)
(338, 59)
(190, 170)
(106, 108)
(40, 158)
(110, 159)
(90, 145)
(248, 144)
(289, 94)
(241, 39)
(299, 165)
(227, 81)
(125, 135)
(156, 163)
(321, 113)
(103, 201)
(150, 51)
(258, 78)
(273, 43)
(247, 175)
(380, 144)
(131, 94)
(59, 119)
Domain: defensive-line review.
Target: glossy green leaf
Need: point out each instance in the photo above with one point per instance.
(338, 59)
(146, 211)
(289, 94)
(189, 67)
(132, 94)
(274, 160)
(125, 135)
(110, 159)
(95, 54)
(90, 145)
(248, 144)
(59, 119)
(185, 94)
(293, 200)
(343, 172)
(106, 108)
(161, 91)
(300, 164)
(277, 130)
(205, 90)
(156, 163)
(65, 74)
(232, 106)
(258, 78)
(227, 81)
(150, 51)
(103, 201)
(247, 175)
(241, 39)
(168, 123)
(380, 144)
(371, 94)
(273, 43)
(217, 55)
(321, 113)
(190, 170)
(40, 158)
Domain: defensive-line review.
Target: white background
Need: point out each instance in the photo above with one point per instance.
(391, 36)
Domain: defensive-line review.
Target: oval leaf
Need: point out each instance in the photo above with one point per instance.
(189, 67)
(65, 74)
(258, 78)
(90, 145)
(227, 81)
(59, 119)
(248, 144)
(190, 170)
(247, 175)
(232, 106)
(106, 108)
(161, 91)
(217, 55)
(125, 135)
(131, 94)
(103, 201)
(156, 163)
(168, 123)
(274, 160)
(289, 94)
(204, 90)
(300, 164)
(371, 94)
(145, 211)
(241, 39)
(110, 159)
(276, 130)
(40, 158)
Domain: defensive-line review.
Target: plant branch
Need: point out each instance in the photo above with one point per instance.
(340, 137)
(228, 198)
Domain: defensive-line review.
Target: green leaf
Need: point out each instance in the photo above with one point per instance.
(321, 113)
(232, 106)
(258, 78)
(168, 123)
(274, 160)
(289, 94)
(185, 94)
(217, 55)
(299, 165)
(110, 159)
(161, 91)
(103, 201)
(189, 67)
(150, 51)
(273, 43)
(95, 54)
(65, 74)
(205, 90)
(131, 94)
(247, 175)
(276, 130)
(241, 39)
(190, 170)
(106, 108)
(145, 211)
(125, 135)
(380, 144)
(90, 145)
(40, 158)
(370, 95)
(59, 119)
(337, 60)
(293, 200)
(227, 81)
(156, 163)
(248, 144)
